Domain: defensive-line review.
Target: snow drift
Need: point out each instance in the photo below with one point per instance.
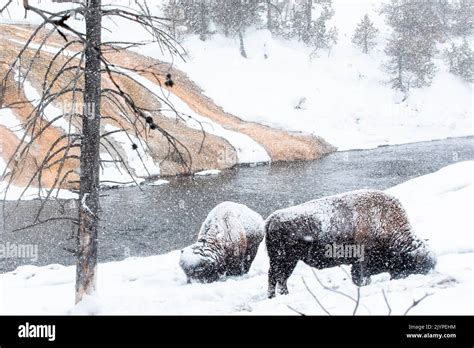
(157, 285)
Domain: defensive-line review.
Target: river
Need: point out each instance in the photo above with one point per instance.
(153, 220)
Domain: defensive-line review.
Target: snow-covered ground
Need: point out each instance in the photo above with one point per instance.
(50, 112)
(13, 192)
(208, 172)
(342, 94)
(247, 149)
(10, 121)
(439, 205)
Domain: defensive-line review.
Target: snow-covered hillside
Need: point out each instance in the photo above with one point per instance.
(341, 95)
(439, 206)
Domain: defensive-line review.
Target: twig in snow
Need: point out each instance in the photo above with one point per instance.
(296, 311)
(357, 302)
(315, 297)
(386, 302)
(416, 302)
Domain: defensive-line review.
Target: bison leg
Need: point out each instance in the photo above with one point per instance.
(272, 282)
(278, 274)
(284, 274)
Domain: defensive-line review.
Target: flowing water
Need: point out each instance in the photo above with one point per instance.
(153, 220)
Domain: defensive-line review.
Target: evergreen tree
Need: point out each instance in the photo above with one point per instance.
(311, 29)
(443, 10)
(462, 17)
(461, 61)
(222, 15)
(275, 10)
(412, 45)
(174, 12)
(233, 17)
(365, 34)
(194, 16)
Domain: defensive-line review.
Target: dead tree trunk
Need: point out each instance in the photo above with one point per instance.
(90, 165)
(269, 16)
(243, 53)
(308, 21)
(203, 22)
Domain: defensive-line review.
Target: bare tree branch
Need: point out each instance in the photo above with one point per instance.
(386, 302)
(296, 311)
(416, 303)
(357, 301)
(315, 297)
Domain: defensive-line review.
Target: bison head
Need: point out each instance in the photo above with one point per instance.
(199, 263)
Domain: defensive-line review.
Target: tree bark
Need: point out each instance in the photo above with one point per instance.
(309, 20)
(25, 6)
(400, 76)
(203, 24)
(269, 16)
(90, 165)
(242, 45)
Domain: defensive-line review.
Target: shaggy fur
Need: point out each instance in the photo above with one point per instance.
(371, 219)
(227, 244)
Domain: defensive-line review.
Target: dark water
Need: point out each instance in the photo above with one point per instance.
(159, 219)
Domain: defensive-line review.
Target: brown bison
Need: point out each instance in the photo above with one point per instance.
(227, 244)
(367, 229)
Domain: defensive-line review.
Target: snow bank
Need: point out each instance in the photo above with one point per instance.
(159, 182)
(50, 112)
(14, 192)
(138, 159)
(346, 98)
(156, 285)
(440, 207)
(10, 121)
(114, 174)
(3, 166)
(208, 172)
(342, 95)
(247, 149)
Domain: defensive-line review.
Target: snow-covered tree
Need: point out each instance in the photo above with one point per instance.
(442, 9)
(194, 16)
(307, 23)
(174, 12)
(412, 45)
(365, 34)
(410, 62)
(461, 60)
(274, 14)
(222, 15)
(462, 18)
(233, 17)
(416, 17)
(83, 61)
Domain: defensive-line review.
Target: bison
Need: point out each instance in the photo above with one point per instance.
(367, 229)
(226, 246)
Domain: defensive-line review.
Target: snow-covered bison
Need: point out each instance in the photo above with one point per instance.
(367, 229)
(227, 244)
